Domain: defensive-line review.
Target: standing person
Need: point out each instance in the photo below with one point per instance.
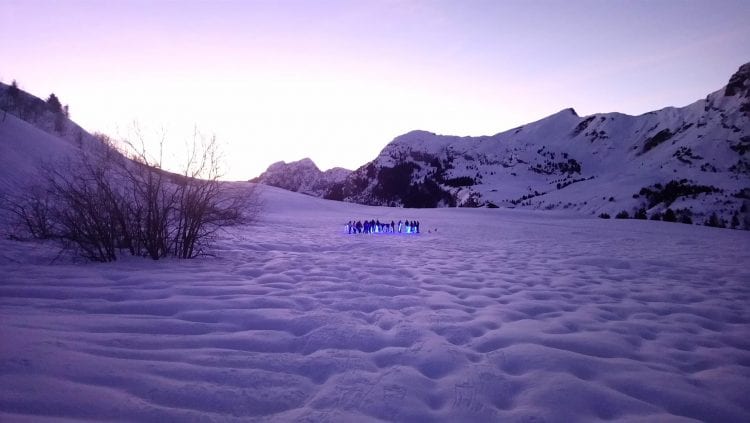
(399, 226)
(417, 225)
(359, 226)
(393, 226)
(349, 227)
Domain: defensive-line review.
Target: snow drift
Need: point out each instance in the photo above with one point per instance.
(500, 315)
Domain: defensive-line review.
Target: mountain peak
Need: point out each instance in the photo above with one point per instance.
(739, 82)
(301, 176)
(307, 162)
(416, 133)
(569, 110)
(564, 113)
(303, 163)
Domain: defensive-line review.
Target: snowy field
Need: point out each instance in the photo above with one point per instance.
(496, 316)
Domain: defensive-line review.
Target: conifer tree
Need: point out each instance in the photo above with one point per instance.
(54, 103)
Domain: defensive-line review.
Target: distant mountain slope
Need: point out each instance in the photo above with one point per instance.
(302, 176)
(692, 160)
(31, 133)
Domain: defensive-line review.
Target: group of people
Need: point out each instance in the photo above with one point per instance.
(376, 227)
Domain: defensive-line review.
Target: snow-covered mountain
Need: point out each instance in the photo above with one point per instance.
(302, 176)
(691, 160)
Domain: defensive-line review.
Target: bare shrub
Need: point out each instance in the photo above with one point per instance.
(29, 213)
(103, 203)
(204, 204)
(151, 201)
(88, 210)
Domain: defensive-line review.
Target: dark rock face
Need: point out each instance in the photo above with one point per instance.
(302, 176)
(660, 137)
(739, 83)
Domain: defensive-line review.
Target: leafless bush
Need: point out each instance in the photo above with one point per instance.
(87, 208)
(102, 203)
(179, 214)
(29, 213)
(151, 201)
(204, 204)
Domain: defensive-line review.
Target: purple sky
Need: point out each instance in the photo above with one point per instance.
(336, 80)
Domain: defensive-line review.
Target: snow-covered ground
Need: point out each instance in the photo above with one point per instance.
(498, 315)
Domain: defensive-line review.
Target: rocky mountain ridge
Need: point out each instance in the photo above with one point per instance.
(302, 176)
(689, 161)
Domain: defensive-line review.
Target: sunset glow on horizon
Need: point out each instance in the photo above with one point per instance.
(335, 81)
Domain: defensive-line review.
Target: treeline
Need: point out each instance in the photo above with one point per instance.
(30, 108)
(681, 216)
